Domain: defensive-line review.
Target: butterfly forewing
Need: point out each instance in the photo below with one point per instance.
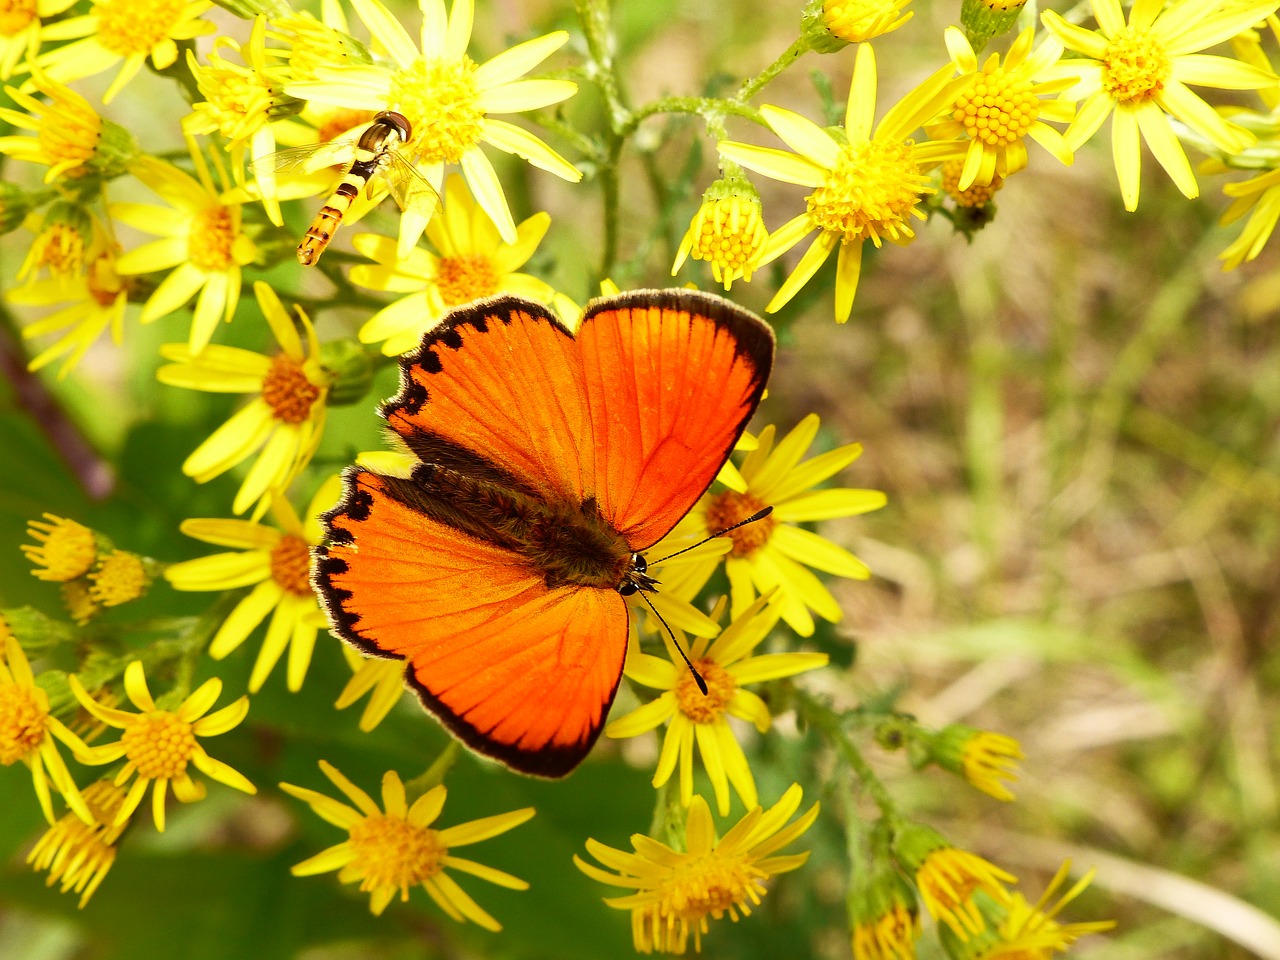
(546, 459)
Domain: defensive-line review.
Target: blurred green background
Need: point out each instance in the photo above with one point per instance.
(1075, 419)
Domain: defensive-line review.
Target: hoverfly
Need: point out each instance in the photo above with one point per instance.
(374, 157)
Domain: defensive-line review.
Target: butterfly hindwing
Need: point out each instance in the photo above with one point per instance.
(521, 671)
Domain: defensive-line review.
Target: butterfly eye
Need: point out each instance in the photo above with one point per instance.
(638, 563)
(628, 588)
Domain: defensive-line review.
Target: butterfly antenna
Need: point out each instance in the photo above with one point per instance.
(697, 677)
(758, 515)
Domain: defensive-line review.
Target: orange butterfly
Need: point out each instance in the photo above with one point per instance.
(549, 462)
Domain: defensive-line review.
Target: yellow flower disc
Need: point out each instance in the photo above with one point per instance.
(288, 391)
(732, 507)
(160, 744)
(978, 195)
(870, 193)
(392, 852)
(440, 98)
(466, 278)
(120, 578)
(23, 718)
(995, 109)
(708, 707)
(291, 565)
(15, 15)
(213, 235)
(1135, 66)
(131, 27)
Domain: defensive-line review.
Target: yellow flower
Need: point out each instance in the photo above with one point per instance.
(71, 139)
(694, 718)
(28, 731)
(1002, 106)
(678, 892)
(975, 196)
(772, 553)
(1259, 197)
(64, 550)
(948, 878)
(128, 30)
(883, 915)
(447, 99)
(867, 185)
(1018, 929)
(727, 231)
(160, 744)
(201, 240)
(1137, 72)
(384, 677)
(394, 848)
(856, 21)
(473, 261)
(93, 302)
(80, 854)
(283, 422)
(278, 562)
(120, 577)
(21, 30)
(65, 231)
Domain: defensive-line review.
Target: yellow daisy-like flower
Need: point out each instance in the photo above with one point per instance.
(948, 878)
(70, 138)
(128, 30)
(393, 848)
(447, 99)
(1260, 198)
(384, 677)
(28, 732)
(77, 853)
(158, 745)
(868, 182)
(856, 21)
(772, 553)
(1003, 105)
(201, 242)
(975, 196)
(1137, 73)
(64, 549)
(727, 231)
(65, 231)
(22, 30)
(473, 261)
(679, 892)
(883, 916)
(700, 720)
(89, 303)
(1017, 928)
(277, 562)
(283, 423)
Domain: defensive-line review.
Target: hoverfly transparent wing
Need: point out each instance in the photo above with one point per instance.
(409, 188)
(305, 159)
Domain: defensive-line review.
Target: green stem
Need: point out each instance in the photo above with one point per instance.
(753, 86)
(669, 815)
(434, 775)
(831, 725)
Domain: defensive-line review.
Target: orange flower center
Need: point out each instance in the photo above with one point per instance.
(291, 565)
(213, 235)
(159, 743)
(708, 707)
(441, 100)
(15, 15)
(105, 285)
(288, 391)
(871, 193)
(121, 578)
(23, 719)
(732, 507)
(1135, 66)
(131, 27)
(338, 123)
(996, 108)
(462, 279)
(391, 852)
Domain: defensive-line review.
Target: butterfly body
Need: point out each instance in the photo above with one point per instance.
(549, 461)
